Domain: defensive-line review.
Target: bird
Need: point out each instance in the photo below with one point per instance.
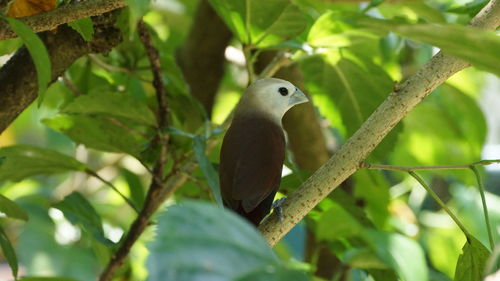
(253, 148)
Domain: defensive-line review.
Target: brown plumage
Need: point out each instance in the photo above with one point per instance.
(253, 149)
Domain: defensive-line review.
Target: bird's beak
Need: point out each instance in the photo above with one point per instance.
(298, 97)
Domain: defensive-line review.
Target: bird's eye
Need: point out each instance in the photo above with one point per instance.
(283, 91)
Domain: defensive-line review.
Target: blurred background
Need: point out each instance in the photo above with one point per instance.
(334, 60)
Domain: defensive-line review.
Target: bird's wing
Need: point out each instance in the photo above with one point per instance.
(251, 162)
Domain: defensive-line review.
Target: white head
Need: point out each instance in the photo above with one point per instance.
(272, 97)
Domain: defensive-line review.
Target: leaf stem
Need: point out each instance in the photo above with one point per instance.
(249, 60)
(415, 168)
(485, 207)
(281, 59)
(441, 203)
(128, 201)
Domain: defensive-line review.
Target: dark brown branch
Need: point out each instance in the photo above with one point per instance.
(18, 79)
(64, 14)
(158, 186)
(154, 60)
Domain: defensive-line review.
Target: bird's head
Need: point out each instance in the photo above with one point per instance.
(272, 97)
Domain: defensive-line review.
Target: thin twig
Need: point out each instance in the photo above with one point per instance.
(154, 60)
(69, 84)
(485, 207)
(369, 166)
(473, 167)
(128, 201)
(159, 189)
(282, 59)
(112, 68)
(247, 51)
(108, 67)
(441, 203)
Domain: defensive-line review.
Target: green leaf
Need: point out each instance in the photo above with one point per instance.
(355, 85)
(330, 30)
(211, 175)
(400, 253)
(275, 274)
(8, 252)
(372, 187)
(33, 278)
(22, 161)
(198, 241)
(137, 9)
(99, 133)
(135, 187)
(111, 104)
(470, 8)
(383, 275)
(38, 53)
(85, 27)
(252, 21)
(329, 228)
(11, 209)
(80, 212)
(9, 46)
(477, 46)
(362, 258)
(472, 262)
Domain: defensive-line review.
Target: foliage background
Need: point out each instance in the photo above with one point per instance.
(378, 225)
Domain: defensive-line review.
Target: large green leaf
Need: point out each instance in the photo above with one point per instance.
(276, 274)
(8, 252)
(38, 237)
(207, 167)
(99, 132)
(472, 262)
(330, 30)
(337, 223)
(199, 241)
(11, 209)
(400, 253)
(477, 46)
(137, 9)
(80, 212)
(135, 187)
(252, 21)
(373, 188)
(355, 85)
(38, 53)
(22, 161)
(111, 104)
(34, 278)
(83, 26)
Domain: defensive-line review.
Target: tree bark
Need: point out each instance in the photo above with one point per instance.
(63, 14)
(18, 78)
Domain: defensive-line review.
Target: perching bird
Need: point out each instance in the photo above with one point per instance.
(253, 149)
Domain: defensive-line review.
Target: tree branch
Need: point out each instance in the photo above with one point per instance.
(63, 14)
(158, 187)
(18, 86)
(347, 159)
